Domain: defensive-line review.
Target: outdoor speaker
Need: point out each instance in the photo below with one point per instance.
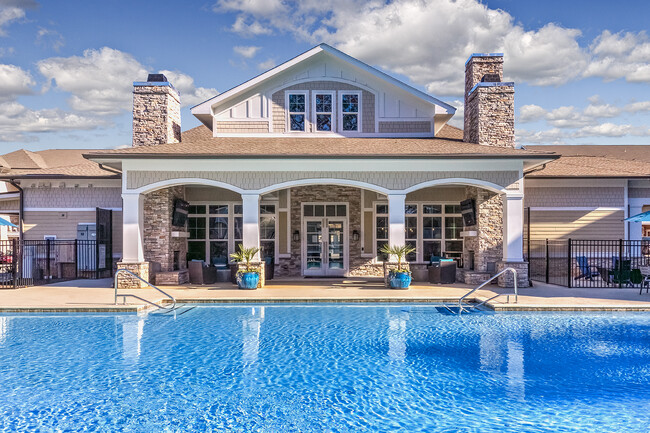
(468, 210)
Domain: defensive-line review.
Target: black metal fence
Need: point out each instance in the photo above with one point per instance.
(589, 263)
(26, 263)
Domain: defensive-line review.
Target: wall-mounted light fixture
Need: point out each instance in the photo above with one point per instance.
(355, 235)
(296, 236)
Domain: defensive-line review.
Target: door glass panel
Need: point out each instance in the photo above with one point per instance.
(314, 245)
(335, 245)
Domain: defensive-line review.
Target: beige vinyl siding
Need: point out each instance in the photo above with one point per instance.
(577, 224)
(10, 205)
(39, 224)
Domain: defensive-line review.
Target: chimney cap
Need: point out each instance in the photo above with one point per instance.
(483, 55)
(157, 78)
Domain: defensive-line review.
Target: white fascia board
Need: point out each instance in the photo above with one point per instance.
(205, 107)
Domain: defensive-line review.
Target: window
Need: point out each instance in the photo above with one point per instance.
(433, 229)
(267, 230)
(411, 230)
(297, 109)
(350, 109)
(381, 230)
(323, 103)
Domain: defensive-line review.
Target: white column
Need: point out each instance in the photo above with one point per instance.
(251, 219)
(396, 219)
(513, 227)
(132, 228)
(636, 229)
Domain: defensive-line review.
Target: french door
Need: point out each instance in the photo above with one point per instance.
(325, 246)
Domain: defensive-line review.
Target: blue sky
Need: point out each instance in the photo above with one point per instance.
(582, 68)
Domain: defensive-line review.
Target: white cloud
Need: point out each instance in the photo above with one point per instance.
(100, 81)
(246, 29)
(531, 113)
(247, 52)
(50, 38)
(190, 94)
(17, 121)
(266, 64)
(428, 41)
(620, 55)
(9, 15)
(14, 81)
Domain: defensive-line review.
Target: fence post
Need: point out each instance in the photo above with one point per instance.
(547, 262)
(47, 255)
(569, 263)
(76, 259)
(14, 261)
(620, 263)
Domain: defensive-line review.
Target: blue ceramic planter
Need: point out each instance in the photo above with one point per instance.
(400, 280)
(248, 280)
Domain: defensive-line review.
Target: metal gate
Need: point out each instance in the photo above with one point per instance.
(588, 263)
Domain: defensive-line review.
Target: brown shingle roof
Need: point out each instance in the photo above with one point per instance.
(200, 142)
(52, 163)
(596, 161)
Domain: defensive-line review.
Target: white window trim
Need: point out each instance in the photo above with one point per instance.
(231, 224)
(288, 113)
(276, 215)
(333, 112)
(340, 112)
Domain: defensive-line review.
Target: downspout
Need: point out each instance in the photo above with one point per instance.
(21, 210)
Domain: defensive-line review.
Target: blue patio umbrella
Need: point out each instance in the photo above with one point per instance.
(4, 222)
(640, 218)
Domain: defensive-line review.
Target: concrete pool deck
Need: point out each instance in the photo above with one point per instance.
(98, 296)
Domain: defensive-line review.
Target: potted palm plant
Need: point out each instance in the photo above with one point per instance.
(399, 278)
(249, 277)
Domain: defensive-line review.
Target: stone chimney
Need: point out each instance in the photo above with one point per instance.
(489, 102)
(156, 112)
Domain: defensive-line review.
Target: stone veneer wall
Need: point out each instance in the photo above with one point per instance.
(327, 193)
(159, 245)
(490, 116)
(367, 103)
(489, 111)
(488, 244)
(156, 115)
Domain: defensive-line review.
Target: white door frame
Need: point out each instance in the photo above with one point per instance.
(346, 241)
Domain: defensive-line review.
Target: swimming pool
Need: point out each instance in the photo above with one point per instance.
(325, 367)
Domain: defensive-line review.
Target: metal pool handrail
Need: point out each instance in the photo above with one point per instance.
(138, 297)
(514, 274)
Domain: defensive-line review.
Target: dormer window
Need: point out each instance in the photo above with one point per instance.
(350, 111)
(297, 103)
(323, 104)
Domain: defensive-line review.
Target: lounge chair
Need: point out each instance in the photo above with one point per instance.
(645, 274)
(621, 273)
(585, 270)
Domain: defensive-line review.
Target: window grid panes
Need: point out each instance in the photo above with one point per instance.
(381, 230)
(350, 112)
(297, 111)
(323, 106)
(432, 228)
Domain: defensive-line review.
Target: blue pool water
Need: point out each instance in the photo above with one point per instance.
(281, 368)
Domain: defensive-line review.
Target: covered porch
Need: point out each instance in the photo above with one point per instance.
(324, 227)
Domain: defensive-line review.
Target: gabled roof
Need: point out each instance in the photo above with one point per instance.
(204, 107)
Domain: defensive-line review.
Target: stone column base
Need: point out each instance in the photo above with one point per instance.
(126, 281)
(259, 265)
(506, 279)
